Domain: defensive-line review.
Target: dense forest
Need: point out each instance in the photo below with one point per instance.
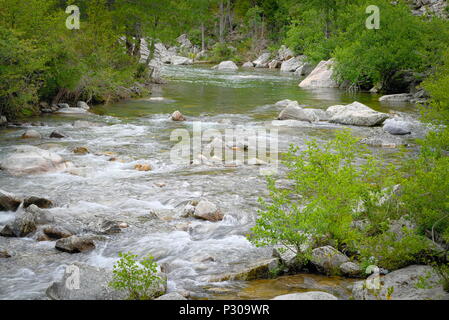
(404, 219)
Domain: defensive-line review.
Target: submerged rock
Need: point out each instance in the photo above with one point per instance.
(313, 295)
(177, 116)
(56, 233)
(75, 244)
(178, 60)
(328, 259)
(56, 135)
(415, 282)
(32, 160)
(402, 97)
(384, 140)
(81, 150)
(356, 114)
(8, 201)
(320, 77)
(260, 270)
(31, 134)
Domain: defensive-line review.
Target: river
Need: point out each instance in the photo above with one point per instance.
(138, 131)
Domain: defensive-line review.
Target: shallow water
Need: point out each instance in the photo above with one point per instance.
(138, 132)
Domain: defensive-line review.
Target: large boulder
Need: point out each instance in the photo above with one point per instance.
(328, 260)
(32, 160)
(82, 105)
(26, 222)
(31, 134)
(350, 269)
(294, 112)
(356, 114)
(207, 210)
(162, 54)
(291, 65)
(396, 127)
(312, 295)
(248, 64)
(8, 201)
(178, 60)
(320, 77)
(285, 53)
(415, 282)
(75, 244)
(304, 70)
(401, 97)
(262, 61)
(227, 65)
(184, 41)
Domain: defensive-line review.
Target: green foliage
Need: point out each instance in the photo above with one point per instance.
(221, 52)
(137, 277)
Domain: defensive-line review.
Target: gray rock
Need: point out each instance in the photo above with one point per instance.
(31, 134)
(320, 77)
(56, 135)
(288, 258)
(294, 112)
(75, 244)
(171, 296)
(285, 53)
(384, 140)
(8, 201)
(415, 282)
(248, 64)
(328, 259)
(56, 232)
(227, 65)
(313, 295)
(260, 270)
(396, 127)
(24, 224)
(402, 97)
(291, 65)
(206, 210)
(63, 105)
(274, 64)
(350, 269)
(72, 111)
(4, 254)
(304, 70)
(39, 202)
(3, 120)
(286, 103)
(178, 60)
(356, 114)
(262, 61)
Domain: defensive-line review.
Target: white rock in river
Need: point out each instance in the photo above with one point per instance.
(313, 295)
(402, 97)
(320, 77)
(248, 64)
(32, 160)
(206, 210)
(83, 105)
(227, 65)
(31, 134)
(178, 60)
(285, 53)
(262, 61)
(295, 112)
(285, 103)
(72, 110)
(356, 114)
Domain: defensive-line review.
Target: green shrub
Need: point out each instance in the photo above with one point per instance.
(137, 277)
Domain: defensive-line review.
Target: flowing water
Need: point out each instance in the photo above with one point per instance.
(138, 132)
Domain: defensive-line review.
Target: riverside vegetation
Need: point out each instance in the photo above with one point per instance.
(336, 198)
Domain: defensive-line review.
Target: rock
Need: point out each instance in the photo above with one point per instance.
(384, 140)
(24, 224)
(63, 105)
(72, 110)
(286, 103)
(291, 65)
(142, 167)
(248, 64)
(402, 97)
(320, 77)
(262, 61)
(40, 216)
(56, 135)
(285, 53)
(39, 202)
(396, 127)
(415, 282)
(288, 258)
(4, 254)
(274, 64)
(328, 260)
(31, 134)
(184, 41)
(8, 201)
(312, 295)
(350, 269)
(110, 227)
(400, 227)
(227, 65)
(81, 150)
(171, 296)
(93, 285)
(177, 116)
(206, 210)
(304, 70)
(356, 114)
(80, 124)
(178, 60)
(3, 120)
(56, 233)
(260, 270)
(82, 105)
(75, 244)
(294, 112)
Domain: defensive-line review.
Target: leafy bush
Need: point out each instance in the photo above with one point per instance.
(221, 52)
(137, 277)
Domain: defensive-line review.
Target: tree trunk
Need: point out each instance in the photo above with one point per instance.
(222, 22)
(203, 42)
